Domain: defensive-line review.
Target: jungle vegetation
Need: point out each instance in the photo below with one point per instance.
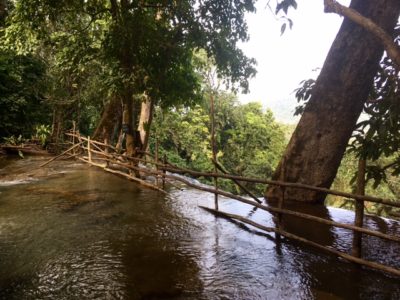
(149, 69)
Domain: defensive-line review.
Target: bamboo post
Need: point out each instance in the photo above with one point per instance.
(106, 149)
(359, 209)
(164, 171)
(279, 217)
(73, 137)
(214, 154)
(88, 149)
(156, 159)
(281, 200)
(280, 206)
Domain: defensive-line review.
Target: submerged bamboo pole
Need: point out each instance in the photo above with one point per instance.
(288, 212)
(370, 264)
(359, 209)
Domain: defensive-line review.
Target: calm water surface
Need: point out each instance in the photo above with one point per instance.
(69, 231)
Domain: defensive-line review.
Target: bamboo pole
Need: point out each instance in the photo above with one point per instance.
(270, 209)
(370, 264)
(156, 159)
(163, 171)
(88, 149)
(281, 200)
(63, 153)
(106, 149)
(146, 153)
(178, 170)
(285, 184)
(93, 141)
(241, 186)
(280, 206)
(213, 148)
(359, 209)
(287, 212)
(174, 169)
(157, 173)
(98, 148)
(357, 228)
(132, 178)
(73, 138)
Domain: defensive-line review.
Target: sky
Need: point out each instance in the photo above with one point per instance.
(284, 61)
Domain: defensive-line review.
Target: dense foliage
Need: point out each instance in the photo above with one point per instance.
(22, 90)
(249, 141)
(110, 52)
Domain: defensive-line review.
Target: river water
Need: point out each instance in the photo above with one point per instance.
(69, 231)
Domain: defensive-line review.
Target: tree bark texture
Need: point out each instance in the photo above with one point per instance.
(111, 116)
(57, 126)
(145, 119)
(318, 143)
(391, 48)
(128, 128)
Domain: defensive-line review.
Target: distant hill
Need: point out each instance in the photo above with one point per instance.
(283, 110)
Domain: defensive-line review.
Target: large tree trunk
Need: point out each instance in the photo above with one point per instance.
(128, 128)
(146, 117)
(317, 146)
(111, 115)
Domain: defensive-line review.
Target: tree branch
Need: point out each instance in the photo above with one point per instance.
(392, 49)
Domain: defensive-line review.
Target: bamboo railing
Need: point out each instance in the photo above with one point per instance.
(110, 159)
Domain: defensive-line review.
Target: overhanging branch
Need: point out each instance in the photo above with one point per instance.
(392, 49)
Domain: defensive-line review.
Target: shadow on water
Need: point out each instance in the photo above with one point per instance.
(74, 232)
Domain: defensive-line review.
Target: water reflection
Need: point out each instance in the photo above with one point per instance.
(78, 233)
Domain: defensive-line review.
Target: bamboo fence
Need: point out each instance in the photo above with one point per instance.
(110, 159)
